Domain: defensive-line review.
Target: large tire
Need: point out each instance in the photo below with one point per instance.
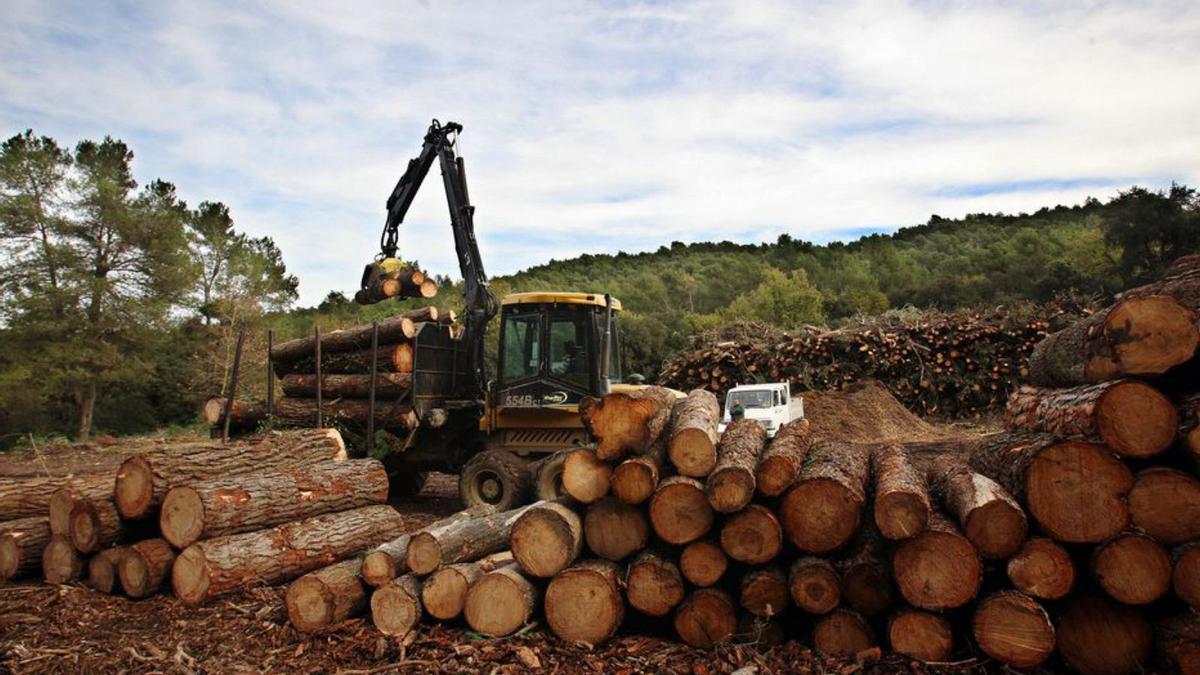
(495, 477)
(547, 478)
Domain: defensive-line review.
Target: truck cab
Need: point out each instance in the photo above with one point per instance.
(768, 404)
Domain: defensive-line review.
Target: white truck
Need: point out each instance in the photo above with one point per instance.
(771, 405)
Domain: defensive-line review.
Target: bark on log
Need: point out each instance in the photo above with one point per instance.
(461, 540)
(679, 510)
(102, 570)
(61, 563)
(327, 596)
(705, 618)
(1165, 503)
(1130, 417)
(814, 585)
(95, 525)
(901, 495)
(703, 563)
(692, 446)
(585, 477)
(387, 385)
(615, 530)
(920, 635)
(584, 604)
(990, 517)
(144, 567)
(653, 584)
(546, 539)
(824, 509)
(390, 559)
(21, 544)
(62, 500)
(391, 331)
(444, 593)
(396, 358)
(1186, 575)
(210, 568)
(28, 497)
(1179, 643)
(730, 486)
(143, 480)
(1014, 629)
(1100, 637)
(244, 416)
(752, 535)
(625, 423)
(764, 592)
(396, 606)
(255, 501)
(866, 573)
(388, 414)
(634, 480)
(1075, 491)
(780, 463)
(500, 602)
(1132, 568)
(842, 633)
(938, 569)
(1042, 569)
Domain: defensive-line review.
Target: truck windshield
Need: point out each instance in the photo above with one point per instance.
(749, 399)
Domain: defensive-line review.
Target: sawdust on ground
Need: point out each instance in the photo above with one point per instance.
(866, 412)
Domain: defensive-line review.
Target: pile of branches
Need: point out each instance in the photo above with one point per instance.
(948, 364)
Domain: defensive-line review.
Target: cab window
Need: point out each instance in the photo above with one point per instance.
(522, 347)
(569, 348)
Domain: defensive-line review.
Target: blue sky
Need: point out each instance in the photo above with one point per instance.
(597, 127)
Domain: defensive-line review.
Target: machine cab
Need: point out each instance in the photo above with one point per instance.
(551, 348)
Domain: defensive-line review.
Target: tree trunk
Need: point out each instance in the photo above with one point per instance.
(627, 422)
(390, 559)
(780, 463)
(703, 563)
(901, 496)
(692, 444)
(991, 519)
(1014, 629)
(547, 538)
(585, 477)
(679, 511)
(145, 566)
(244, 416)
(1130, 417)
(764, 592)
(842, 633)
(752, 535)
(444, 593)
(1042, 569)
(634, 480)
(210, 568)
(387, 386)
(937, 569)
(63, 500)
(95, 525)
(615, 530)
(500, 602)
(705, 618)
(1132, 568)
(1100, 637)
(388, 414)
(396, 606)
(255, 501)
(61, 563)
(21, 544)
(814, 585)
(1166, 504)
(824, 509)
(389, 359)
(867, 584)
(102, 570)
(87, 408)
(1179, 643)
(143, 480)
(584, 603)
(1186, 576)
(327, 596)
(653, 584)
(920, 635)
(392, 330)
(461, 540)
(1075, 491)
(730, 486)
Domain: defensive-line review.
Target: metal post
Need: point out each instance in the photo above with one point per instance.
(270, 380)
(371, 388)
(320, 412)
(233, 378)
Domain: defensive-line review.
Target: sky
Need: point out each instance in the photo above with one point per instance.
(600, 127)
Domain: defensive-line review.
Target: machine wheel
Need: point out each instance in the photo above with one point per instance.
(494, 477)
(404, 482)
(547, 477)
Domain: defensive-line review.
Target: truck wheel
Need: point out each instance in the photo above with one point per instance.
(404, 483)
(547, 478)
(494, 477)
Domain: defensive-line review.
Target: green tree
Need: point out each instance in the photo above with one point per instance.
(1152, 229)
(785, 300)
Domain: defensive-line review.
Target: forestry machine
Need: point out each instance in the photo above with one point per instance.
(554, 349)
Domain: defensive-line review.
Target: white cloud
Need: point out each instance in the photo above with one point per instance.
(594, 129)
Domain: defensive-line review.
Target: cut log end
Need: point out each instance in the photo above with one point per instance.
(820, 515)
(1186, 577)
(61, 563)
(764, 592)
(1165, 504)
(500, 602)
(1042, 569)
(679, 511)
(546, 539)
(1158, 333)
(752, 535)
(707, 617)
(634, 480)
(1133, 569)
(585, 477)
(144, 566)
(584, 603)
(181, 519)
(134, 490)
(1076, 492)
(703, 563)
(396, 607)
(1136, 420)
(424, 553)
(1100, 637)
(615, 530)
(190, 576)
(920, 635)
(654, 585)
(1014, 629)
(842, 633)
(900, 515)
(814, 585)
(102, 570)
(444, 593)
(730, 489)
(378, 568)
(693, 452)
(938, 569)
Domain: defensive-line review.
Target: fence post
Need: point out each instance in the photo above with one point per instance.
(233, 378)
